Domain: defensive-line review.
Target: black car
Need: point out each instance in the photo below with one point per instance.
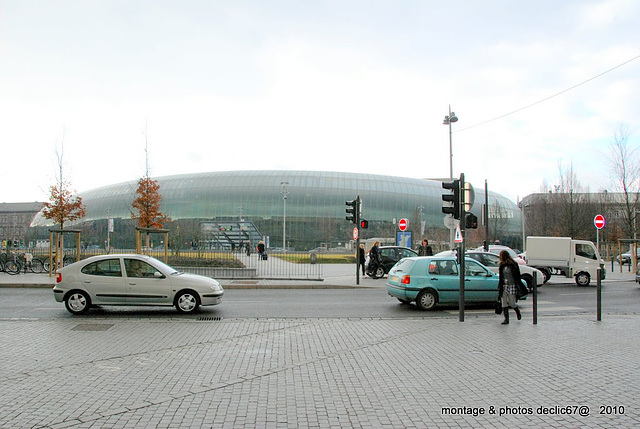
(390, 255)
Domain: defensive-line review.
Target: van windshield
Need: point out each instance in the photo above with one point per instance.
(585, 250)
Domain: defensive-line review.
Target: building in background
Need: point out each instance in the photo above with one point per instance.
(307, 208)
(15, 219)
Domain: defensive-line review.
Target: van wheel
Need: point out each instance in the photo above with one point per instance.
(427, 300)
(583, 279)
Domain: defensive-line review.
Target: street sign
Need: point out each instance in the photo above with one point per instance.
(469, 196)
(402, 225)
(458, 236)
(355, 233)
(599, 221)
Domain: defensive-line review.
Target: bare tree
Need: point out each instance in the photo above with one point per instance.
(564, 209)
(576, 209)
(625, 174)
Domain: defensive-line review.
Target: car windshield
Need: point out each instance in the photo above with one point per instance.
(487, 259)
(166, 268)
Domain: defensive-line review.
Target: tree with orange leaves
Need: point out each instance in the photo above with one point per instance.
(63, 206)
(147, 203)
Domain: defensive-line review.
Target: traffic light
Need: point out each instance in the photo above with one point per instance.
(352, 211)
(453, 198)
(471, 221)
(364, 224)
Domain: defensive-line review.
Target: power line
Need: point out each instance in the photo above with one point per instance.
(550, 97)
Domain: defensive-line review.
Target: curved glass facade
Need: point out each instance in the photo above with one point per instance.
(315, 204)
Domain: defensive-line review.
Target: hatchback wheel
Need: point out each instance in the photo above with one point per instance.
(186, 302)
(427, 300)
(77, 302)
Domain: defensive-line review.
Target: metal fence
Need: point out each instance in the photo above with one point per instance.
(221, 264)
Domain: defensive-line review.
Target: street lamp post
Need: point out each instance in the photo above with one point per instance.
(448, 120)
(524, 235)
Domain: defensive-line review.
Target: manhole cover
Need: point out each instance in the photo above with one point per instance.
(92, 327)
(203, 319)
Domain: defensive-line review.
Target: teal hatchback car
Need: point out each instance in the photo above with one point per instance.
(433, 280)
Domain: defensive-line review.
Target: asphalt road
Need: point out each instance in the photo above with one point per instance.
(553, 299)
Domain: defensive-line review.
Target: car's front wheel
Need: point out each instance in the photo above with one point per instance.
(583, 279)
(77, 302)
(427, 300)
(187, 302)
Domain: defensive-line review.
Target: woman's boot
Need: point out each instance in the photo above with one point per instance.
(518, 315)
(505, 310)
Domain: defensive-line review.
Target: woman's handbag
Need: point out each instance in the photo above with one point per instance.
(522, 290)
(498, 307)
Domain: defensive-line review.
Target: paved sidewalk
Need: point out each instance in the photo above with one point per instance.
(103, 372)
(84, 372)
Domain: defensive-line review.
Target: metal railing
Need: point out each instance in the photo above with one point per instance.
(224, 264)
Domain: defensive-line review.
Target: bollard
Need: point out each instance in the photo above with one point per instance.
(535, 298)
(598, 296)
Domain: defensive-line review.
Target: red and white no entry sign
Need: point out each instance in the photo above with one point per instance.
(599, 221)
(402, 225)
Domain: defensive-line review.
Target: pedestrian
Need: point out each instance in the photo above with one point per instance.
(260, 249)
(361, 257)
(425, 249)
(509, 277)
(374, 256)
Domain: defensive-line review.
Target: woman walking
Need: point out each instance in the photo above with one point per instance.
(509, 274)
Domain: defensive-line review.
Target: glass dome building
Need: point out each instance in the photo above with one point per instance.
(310, 205)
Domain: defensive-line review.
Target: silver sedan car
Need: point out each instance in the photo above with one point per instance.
(132, 280)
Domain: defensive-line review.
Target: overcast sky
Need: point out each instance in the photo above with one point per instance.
(342, 85)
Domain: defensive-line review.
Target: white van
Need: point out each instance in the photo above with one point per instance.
(574, 258)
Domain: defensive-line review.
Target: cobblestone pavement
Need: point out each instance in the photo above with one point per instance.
(88, 372)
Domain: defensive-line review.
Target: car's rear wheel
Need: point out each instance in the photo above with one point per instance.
(77, 302)
(528, 280)
(427, 299)
(187, 302)
(378, 272)
(546, 273)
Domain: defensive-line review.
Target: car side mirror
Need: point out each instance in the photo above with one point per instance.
(158, 275)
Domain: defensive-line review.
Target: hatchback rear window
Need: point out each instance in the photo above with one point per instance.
(404, 265)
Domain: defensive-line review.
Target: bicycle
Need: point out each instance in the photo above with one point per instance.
(22, 263)
(47, 262)
(13, 266)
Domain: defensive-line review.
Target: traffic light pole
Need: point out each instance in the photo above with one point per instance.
(461, 252)
(357, 216)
